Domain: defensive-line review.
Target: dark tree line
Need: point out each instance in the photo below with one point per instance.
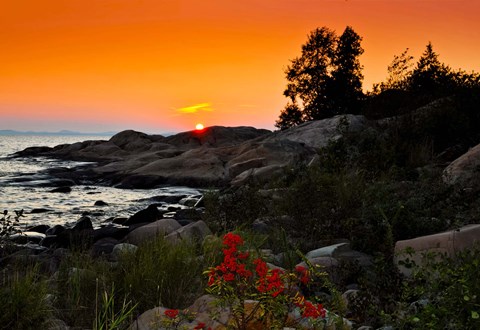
(326, 80)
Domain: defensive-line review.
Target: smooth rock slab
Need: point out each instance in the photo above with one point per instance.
(448, 243)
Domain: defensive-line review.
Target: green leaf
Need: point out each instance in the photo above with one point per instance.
(475, 315)
(466, 298)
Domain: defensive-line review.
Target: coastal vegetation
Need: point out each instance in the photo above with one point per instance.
(360, 193)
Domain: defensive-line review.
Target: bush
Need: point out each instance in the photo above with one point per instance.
(444, 293)
(161, 274)
(237, 208)
(24, 299)
(157, 274)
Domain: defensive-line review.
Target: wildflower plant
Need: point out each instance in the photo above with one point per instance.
(273, 293)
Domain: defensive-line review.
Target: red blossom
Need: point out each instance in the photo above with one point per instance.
(313, 311)
(171, 313)
(269, 281)
(260, 267)
(229, 277)
(243, 255)
(201, 326)
(304, 274)
(232, 240)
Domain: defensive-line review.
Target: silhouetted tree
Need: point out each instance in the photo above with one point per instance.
(309, 74)
(346, 83)
(325, 80)
(290, 116)
(430, 76)
(399, 73)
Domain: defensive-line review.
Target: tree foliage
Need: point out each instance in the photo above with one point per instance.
(399, 71)
(430, 76)
(325, 80)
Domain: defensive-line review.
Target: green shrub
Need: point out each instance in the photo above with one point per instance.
(444, 293)
(237, 208)
(24, 299)
(161, 274)
(76, 286)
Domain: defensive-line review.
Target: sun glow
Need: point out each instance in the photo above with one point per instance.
(199, 127)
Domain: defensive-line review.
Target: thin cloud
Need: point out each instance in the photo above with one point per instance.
(195, 108)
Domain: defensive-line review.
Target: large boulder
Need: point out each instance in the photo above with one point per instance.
(340, 252)
(152, 230)
(464, 172)
(150, 214)
(196, 231)
(448, 243)
(319, 133)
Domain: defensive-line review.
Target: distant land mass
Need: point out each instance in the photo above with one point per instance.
(60, 133)
(65, 133)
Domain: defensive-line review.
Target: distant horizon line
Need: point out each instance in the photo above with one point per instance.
(4, 132)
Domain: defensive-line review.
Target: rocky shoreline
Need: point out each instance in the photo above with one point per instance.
(214, 157)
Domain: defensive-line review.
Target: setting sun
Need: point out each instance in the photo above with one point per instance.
(199, 127)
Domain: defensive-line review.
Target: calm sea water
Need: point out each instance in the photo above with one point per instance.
(64, 208)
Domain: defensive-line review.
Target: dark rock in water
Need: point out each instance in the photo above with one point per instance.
(188, 214)
(82, 224)
(103, 246)
(100, 203)
(40, 210)
(61, 190)
(172, 199)
(110, 231)
(119, 221)
(55, 230)
(39, 229)
(81, 235)
(60, 183)
(150, 214)
(173, 208)
(140, 181)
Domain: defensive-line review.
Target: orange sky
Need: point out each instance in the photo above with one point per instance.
(162, 66)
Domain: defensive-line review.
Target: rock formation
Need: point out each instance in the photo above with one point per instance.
(215, 156)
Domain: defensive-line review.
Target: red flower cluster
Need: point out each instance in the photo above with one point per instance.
(311, 310)
(269, 281)
(238, 276)
(201, 326)
(303, 272)
(230, 267)
(171, 313)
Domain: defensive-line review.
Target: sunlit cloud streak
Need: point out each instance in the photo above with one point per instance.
(195, 108)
